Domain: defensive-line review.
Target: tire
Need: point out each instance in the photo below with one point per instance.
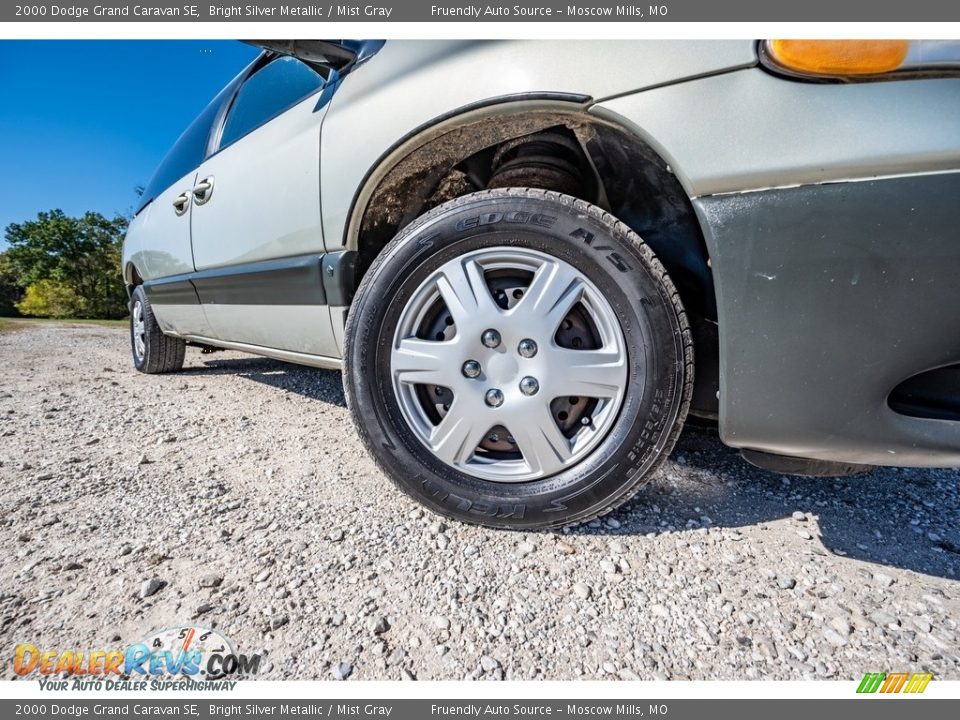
(156, 352)
(627, 311)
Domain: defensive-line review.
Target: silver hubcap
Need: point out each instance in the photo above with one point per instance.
(139, 331)
(509, 365)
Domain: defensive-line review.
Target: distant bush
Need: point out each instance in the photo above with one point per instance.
(51, 299)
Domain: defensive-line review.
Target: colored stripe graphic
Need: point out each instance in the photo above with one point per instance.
(894, 682)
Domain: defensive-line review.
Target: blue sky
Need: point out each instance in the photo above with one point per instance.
(83, 122)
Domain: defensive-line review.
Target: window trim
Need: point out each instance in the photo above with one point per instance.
(215, 143)
(216, 129)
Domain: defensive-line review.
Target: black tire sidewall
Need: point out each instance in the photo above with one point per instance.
(630, 279)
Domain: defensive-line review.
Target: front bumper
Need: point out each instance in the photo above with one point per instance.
(829, 296)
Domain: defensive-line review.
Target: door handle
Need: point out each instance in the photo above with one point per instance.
(182, 203)
(203, 190)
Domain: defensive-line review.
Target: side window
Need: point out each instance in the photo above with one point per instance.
(266, 93)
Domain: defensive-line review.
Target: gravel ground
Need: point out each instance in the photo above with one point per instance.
(240, 487)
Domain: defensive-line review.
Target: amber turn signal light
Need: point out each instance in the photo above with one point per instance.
(837, 58)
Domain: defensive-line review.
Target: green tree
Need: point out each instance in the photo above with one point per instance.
(10, 289)
(79, 255)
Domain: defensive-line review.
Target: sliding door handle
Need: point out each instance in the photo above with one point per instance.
(182, 203)
(203, 190)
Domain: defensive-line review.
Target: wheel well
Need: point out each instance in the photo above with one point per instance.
(131, 276)
(573, 153)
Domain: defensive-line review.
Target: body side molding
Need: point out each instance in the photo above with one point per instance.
(295, 280)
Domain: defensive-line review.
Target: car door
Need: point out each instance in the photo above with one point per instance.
(159, 234)
(257, 236)
(166, 261)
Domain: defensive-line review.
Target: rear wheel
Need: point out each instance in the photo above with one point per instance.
(153, 352)
(518, 358)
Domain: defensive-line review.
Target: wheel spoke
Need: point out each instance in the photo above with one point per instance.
(457, 436)
(556, 288)
(588, 373)
(427, 362)
(544, 448)
(464, 290)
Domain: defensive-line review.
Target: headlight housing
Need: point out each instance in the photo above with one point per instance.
(861, 60)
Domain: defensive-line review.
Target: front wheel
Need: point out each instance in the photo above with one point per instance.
(518, 358)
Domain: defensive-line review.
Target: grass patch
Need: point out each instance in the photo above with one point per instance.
(11, 323)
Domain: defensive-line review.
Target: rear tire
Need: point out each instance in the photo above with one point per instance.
(153, 352)
(495, 250)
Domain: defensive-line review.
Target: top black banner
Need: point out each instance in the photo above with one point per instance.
(424, 11)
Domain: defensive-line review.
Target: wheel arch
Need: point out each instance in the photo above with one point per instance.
(131, 275)
(624, 171)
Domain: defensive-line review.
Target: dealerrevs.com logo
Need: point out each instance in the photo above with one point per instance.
(177, 658)
(910, 683)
